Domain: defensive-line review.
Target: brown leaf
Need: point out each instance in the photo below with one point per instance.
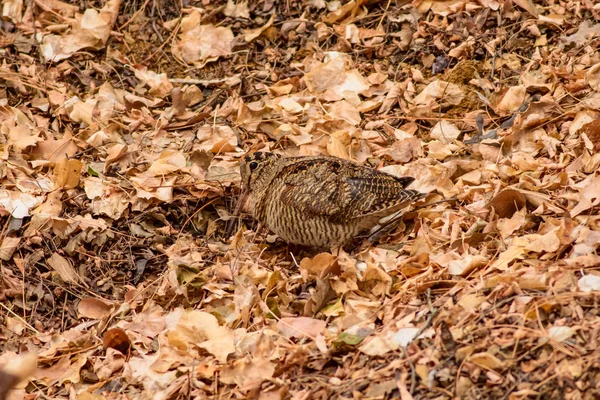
(340, 13)
(440, 91)
(527, 5)
(592, 131)
(197, 328)
(248, 374)
(8, 246)
(445, 132)
(67, 173)
(511, 100)
(53, 150)
(115, 153)
(91, 307)
(589, 191)
(15, 368)
(198, 44)
(465, 265)
(319, 265)
(251, 34)
(65, 270)
(487, 361)
(117, 339)
(300, 327)
(506, 203)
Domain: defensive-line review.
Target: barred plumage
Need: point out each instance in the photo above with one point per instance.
(318, 200)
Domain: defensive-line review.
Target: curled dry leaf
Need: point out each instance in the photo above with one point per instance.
(169, 161)
(440, 91)
(334, 78)
(320, 265)
(507, 226)
(561, 333)
(471, 302)
(159, 84)
(216, 139)
(117, 339)
(592, 77)
(53, 150)
(507, 203)
(527, 5)
(390, 340)
(464, 266)
(512, 99)
(90, 32)
(20, 136)
(252, 34)
(115, 153)
(589, 190)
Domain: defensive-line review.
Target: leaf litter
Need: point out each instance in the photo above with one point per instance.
(122, 126)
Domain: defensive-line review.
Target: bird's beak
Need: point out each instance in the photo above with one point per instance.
(232, 223)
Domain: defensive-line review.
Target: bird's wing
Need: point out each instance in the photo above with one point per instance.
(377, 193)
(314, 188)
(342, 191)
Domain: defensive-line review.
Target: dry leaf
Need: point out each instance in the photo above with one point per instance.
(18, 204)
(248, 374)
(466, 265)
(589, 283)
(506, 203)
(8, 247)
(301, 327)
(198, 44)
(202, 329)
(67, 173)
(91, 307)
(445, 132)
(64, 269)
(439, 90)
(487, 361)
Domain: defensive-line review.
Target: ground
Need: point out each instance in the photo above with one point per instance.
(127, 273)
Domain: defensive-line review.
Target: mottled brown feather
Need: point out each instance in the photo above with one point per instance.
(318, 200)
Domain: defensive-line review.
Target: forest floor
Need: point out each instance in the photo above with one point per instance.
(122, 125)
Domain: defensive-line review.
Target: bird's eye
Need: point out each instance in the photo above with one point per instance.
(253, 165)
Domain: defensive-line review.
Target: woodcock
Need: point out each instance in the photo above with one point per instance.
(320, 201)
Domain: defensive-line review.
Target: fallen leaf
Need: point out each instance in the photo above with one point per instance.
(67, 173)
(248, 374)
(202, 329)
(64, 269)
(589, 283)
(91, 307)
(445, 132)
(506, 203)
(487, 361)
(300, 327)
(560, 333)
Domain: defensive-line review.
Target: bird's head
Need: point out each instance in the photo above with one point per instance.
(255, 168)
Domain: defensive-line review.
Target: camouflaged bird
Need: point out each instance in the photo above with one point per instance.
(320, 201)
